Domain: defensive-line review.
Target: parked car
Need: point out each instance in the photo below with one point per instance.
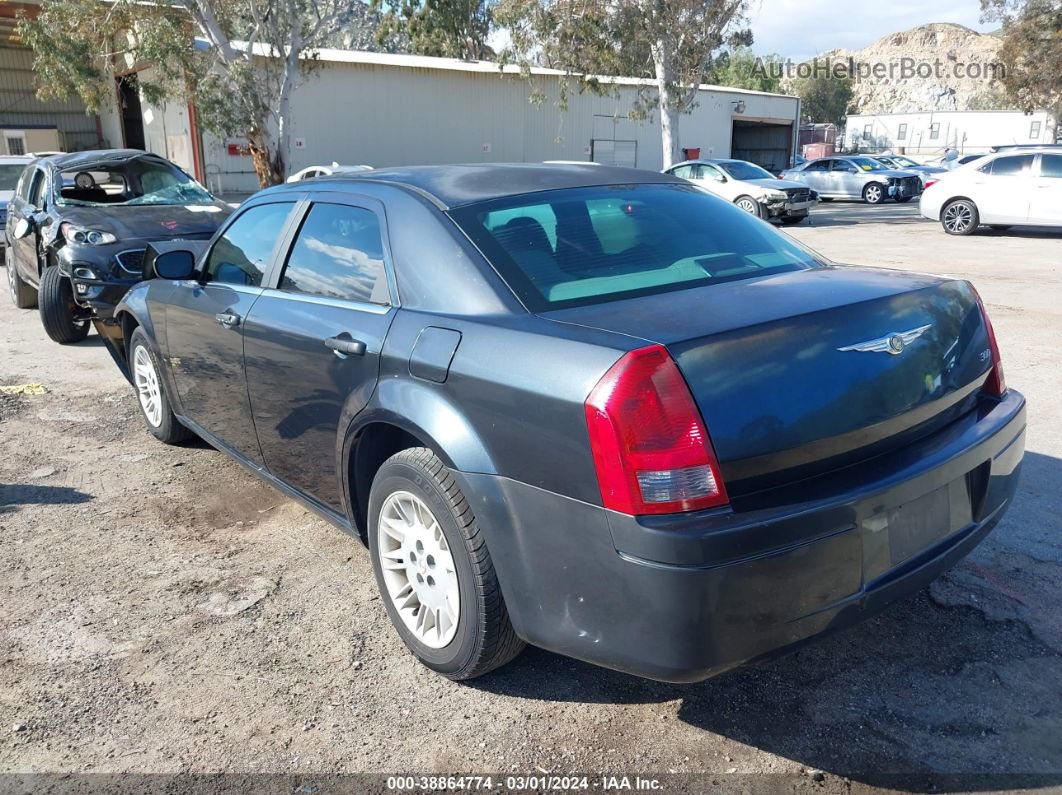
(856, 177)
(79, 224)
(1000, 190)
(907, 164)
(594, 409)
(11, 167)
(325, 171)
(750, 187)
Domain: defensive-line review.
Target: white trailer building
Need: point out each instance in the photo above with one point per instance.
(929, 133)
(386, 110)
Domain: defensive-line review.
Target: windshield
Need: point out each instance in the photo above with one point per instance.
(9, 174)
(739, 169)
(592, 245)
(133, 182)
(904, 161)
(867, 164)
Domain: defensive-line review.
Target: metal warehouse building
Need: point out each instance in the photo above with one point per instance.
(386, 110)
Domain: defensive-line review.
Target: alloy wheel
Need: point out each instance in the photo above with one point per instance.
(749, 206)
(418, 569)
(11, 285)
(147, 386)
(958, 217)
(873, 194)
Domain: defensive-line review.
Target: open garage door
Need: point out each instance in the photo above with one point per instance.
(764, 143)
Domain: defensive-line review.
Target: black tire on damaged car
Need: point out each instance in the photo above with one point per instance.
(60, 316)
(484, 638)
(148, 383)
(23, 296)
(790, 220)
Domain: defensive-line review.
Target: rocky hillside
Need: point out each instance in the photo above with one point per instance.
(958, 49)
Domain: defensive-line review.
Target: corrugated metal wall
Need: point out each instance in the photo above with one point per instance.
(20, 108)
(387, 115)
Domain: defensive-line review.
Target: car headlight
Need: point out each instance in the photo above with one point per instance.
(775, 195)
(81, 234)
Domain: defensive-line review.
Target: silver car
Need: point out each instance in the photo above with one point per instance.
(856, 177)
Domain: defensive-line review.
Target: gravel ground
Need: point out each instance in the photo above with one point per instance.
(161, 610)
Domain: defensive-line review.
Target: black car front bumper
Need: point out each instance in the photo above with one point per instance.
(682, 598)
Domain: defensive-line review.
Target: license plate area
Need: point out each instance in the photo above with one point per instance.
(916, 525)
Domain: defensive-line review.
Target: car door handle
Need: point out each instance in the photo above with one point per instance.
(345, 346)
(227, 319)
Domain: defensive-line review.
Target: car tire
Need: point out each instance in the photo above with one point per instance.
(874, 193)
(59, 313)
(420, 525)
(790, 220)
(903, 199)
(22, 295)
(151, 395)
(751, 206)
(959, 217)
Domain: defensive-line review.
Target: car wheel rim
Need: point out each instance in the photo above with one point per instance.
(418, 569)
(873, 194)
(747, 206)
(957, 218)
(147, 386)
(11, 282)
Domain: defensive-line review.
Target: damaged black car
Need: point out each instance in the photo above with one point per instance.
(79, 224)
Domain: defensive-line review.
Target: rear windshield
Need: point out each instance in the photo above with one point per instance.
(591, 245)
(9, 174)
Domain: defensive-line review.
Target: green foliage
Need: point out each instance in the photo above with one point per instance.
(741, 68)
(1031, 50)
(823, 98)
(441, 28)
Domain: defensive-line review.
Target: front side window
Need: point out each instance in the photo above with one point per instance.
(242, 254)
(710, 172)
(338, 253)
(1015, 165)
(615, 242)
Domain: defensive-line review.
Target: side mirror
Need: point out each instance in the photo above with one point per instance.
(177, 264)
(22, 228)
(853, 170)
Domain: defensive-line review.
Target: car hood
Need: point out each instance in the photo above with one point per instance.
(892, 172)
(778, 184)
(150, 222)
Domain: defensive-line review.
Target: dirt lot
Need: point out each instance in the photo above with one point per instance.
(161, 610)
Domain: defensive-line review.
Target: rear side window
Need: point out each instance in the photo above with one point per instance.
(1051, 166)
(242, 254)
(591, 245)
(1014, 165)
(338, 253)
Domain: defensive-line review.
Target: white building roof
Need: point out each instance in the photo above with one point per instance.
(483, 67)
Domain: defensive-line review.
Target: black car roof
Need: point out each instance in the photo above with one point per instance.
(457, 185)
(75, 159)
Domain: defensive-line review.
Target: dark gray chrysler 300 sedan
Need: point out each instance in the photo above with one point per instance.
(596, 410)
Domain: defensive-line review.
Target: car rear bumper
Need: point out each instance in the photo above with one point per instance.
(683, 598)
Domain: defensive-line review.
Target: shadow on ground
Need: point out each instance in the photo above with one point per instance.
(14, 494)
(926, 689)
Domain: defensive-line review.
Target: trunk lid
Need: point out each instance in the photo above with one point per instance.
(781, 399)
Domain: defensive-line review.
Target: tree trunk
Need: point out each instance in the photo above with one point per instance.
(266, 156)
(669, 112)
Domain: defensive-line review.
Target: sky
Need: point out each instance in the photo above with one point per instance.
(800, 29)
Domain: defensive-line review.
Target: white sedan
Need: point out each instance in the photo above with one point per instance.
(999, 190)
(750, 187)
(325, 171)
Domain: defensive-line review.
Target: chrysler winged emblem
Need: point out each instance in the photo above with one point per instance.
(894, 343)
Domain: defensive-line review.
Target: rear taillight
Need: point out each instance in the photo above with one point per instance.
(930, 183)
(995, 384)
(650, 446)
